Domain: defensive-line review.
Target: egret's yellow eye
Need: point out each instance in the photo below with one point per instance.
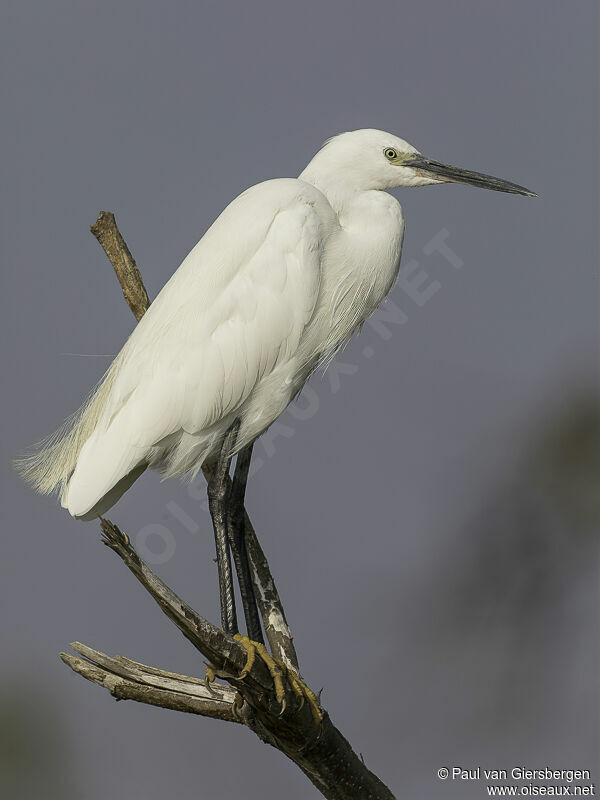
(390, 153)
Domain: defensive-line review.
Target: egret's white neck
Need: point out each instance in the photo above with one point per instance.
(362, 256)
(339, 191)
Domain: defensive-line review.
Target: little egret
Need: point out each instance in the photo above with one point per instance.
(274, 288)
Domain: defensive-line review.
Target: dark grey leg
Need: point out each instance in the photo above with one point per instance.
(237, 540)
(218, 503)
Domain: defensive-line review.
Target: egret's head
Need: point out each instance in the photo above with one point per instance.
(372, 159)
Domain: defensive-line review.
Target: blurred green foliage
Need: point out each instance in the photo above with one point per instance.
(34, 756)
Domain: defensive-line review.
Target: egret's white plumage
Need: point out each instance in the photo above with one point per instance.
(280, 281)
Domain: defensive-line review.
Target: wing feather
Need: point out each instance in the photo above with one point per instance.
(235, 309)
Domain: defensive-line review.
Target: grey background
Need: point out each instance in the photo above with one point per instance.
(431, 518)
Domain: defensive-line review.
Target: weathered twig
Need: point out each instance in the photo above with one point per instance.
(275, 624)
(130, 680)
(328, 760)
(225, 654)
(300, 729)
(107, 233)
(319, 749)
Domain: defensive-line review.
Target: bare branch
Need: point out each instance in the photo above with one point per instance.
(273, 616)
(107, 233)
(226, 655)
(129, 680)
(158, 678)
(303, 732)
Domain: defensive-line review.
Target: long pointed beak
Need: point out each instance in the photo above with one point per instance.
(449, 174)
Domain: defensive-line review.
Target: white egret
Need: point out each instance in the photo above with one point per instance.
(275, 286)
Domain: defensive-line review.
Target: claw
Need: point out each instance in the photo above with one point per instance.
(314, 704)
(250, 647)
(302, 691)
(278, 671)
(210, 678)
(295, 684)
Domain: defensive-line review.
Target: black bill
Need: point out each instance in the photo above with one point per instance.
(447, 173)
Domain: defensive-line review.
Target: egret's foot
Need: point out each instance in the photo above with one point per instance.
(279, 671)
